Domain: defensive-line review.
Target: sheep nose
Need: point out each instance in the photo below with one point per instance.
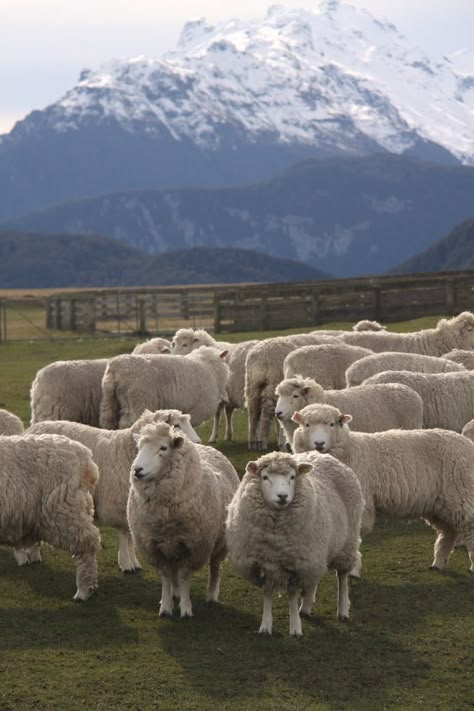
(138, 472)
(319, 445)
(282, 498)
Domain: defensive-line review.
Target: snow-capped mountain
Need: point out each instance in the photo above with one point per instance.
(239, 101)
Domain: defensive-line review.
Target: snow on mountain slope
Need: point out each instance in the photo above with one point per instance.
(335, 77)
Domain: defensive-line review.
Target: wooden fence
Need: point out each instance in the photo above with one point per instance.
(248, 307)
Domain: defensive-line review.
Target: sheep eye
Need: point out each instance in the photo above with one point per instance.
(177, 427)
(163, 448)
(332, 424)
(295, 395)
(292, 477)
(306, 425)
(265, 478)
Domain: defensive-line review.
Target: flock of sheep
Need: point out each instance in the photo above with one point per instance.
(368, 421)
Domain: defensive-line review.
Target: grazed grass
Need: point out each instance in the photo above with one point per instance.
(410, 642)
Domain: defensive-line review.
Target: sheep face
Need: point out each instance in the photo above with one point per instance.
(278, 479)
(183, 342)
(293, 395)
(155, 449)
(463, 326)
(322, 426)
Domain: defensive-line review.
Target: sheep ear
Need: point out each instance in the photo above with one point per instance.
(305, 390)
(345, 419)
(177, 441)
(304, 467)
(223, 354)
(136, 437)
(252, 468)
(165, 349)
(146, 411)
(195, 339)
(297, 417)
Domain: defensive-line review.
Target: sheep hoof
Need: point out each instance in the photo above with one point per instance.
(435, 567)
(165, 613)
(264, 632)
(295, 634)
(186, 615)
(305, 614)
(343, 618)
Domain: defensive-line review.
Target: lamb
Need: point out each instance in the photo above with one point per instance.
(327, 363)
(465, 358)
(451, 333)
(113, 452)
(153, 346)
(408, 474)
(10, 424)
(448, 398)
(374, 407)
(195, 385)
(263, 372)
(366, 325)
(291, 519)
(176, 511)
(378, 362)
(468, 430)
(68, 390)
(46, 482)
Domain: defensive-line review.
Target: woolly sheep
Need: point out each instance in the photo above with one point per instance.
(68, 390)
(113, 452)
(327, 363)
(195, 385)
(291, 519)
(186, 340)
(448, 398)
(374, 407)
(403, 473)
(10, 424)
(465, 358)
(366, 325)
(468, 430)
(263, 372)
(378, 362)
(46, 482)
(176, 511)
(451, 333)
(153, 346)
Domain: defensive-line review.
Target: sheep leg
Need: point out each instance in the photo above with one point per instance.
(21, 556)
(468, 541)
(343, 601)
(166, 602)
(86, 576)
(281, 436)
(213, 584)
(295, 620)
(443, 548)
(229, 431)
(308, 599)
(267, 617)
(133, 554)
(34, 553)
(124, 559)
(253, 418)
(215, 426)
(184, 583)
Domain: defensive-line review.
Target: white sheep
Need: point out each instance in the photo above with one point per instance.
(373, 407)
(68, 390)
(291, 519)
(326, 363)
(176, 511)
(186, 340)
(46, 482)
(465, 358)
(153, 346)
(388, 360)
(451, 333)
(195, 385)
(263, 372)
(366, 325)
(10, 424)
(448, 398)
(113, 452)
(403, 473)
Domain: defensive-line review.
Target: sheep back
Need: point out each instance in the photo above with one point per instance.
(10, 424)
(377, 363)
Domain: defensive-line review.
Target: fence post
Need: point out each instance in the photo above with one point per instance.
(315, 307)
(263, 314)
(3, 320)
(217, 314)
(450, 297)
(142, 317)
(377, 303)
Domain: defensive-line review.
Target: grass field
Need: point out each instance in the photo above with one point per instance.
(409, 644)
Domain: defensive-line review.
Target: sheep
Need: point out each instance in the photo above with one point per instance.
(153, 346)
(366, 325)
(468, 430)
(403, 473)
(68, 390)
(465, 358)
(457, 332)
(263, 372)
(10, 424)
(388, 360)
(448, 398)
(374, 407)
(195, 385)
(113, 452)
(186, 340)
(327, 363)
(176, 511)
(291, 519)
(46, 482)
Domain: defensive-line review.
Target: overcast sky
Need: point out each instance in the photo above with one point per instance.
(45, 43)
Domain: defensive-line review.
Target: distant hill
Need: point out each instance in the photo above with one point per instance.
(52, 261)
(455, 251)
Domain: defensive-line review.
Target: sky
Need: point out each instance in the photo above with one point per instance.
(44, 44)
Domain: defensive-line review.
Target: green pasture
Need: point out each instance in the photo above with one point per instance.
(409, 644)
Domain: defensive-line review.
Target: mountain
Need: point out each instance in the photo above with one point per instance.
(41, 261)
(237, 102)
(347, 216)
(455, 251)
